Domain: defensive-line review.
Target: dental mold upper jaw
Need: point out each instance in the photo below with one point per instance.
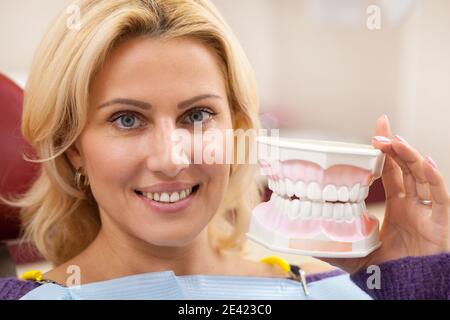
(314, 192)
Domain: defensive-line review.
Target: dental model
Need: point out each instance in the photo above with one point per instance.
(317, 205)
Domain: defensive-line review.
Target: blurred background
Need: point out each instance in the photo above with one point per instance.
(321, 71)
(325, 68)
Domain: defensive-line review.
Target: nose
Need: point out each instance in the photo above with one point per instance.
(165, 155)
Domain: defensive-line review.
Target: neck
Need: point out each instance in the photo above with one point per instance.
(121, 255)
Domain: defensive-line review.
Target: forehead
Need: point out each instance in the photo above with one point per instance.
(147, 67)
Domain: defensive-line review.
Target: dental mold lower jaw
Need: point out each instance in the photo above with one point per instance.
(317, 204)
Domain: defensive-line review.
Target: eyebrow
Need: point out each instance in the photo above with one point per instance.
(145, 105)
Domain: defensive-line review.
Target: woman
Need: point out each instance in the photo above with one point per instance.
(102, 105)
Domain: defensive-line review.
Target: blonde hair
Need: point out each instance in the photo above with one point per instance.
(54, 212)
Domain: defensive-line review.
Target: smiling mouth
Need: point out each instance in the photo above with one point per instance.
(169, 196)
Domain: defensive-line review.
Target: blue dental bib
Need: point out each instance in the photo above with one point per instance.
(166, 285)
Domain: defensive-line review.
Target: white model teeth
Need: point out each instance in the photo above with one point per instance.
(343, 194)
(330, 193)
(348, 212)
(316, 210)
(300, 189)
(305, 209)
(312, 191)
(327, 210)
(354, 193)
(294, 210)
(290, 188)
(338, 211)
(168, 196)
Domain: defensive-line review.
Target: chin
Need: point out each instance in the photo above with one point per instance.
(171, 239)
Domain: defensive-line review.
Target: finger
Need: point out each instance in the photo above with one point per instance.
(439, 192)
(409, 182)
(403, 174)
(392, 175)
(413, 160)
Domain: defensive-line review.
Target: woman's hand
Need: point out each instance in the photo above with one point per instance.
(410, 228)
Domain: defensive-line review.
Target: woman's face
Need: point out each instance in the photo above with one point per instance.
(147, 89)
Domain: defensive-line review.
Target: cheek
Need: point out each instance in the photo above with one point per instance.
(109, 162)
(218, 178)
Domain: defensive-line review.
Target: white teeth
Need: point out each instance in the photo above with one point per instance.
(313, 191)
(290, 187)
(354, 193)
(363, 207)
(174, 197)
(295, 209)
(281, 188)
(363, 193)
(286, 205)
(300, 189)
(327, 210)
(275, 186)
(330, 193)
(316, 209)
(356, 209)
(164, 197)
(305, 209)
(348, 215)
(343, 194)
(283, 205)
(338, 211)
(168, 196)
(277, 202)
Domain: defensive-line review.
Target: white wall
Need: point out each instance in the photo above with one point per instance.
(424, 103)
(332, 78)
(22, 24)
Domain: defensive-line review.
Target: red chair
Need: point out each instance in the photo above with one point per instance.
(16, 175)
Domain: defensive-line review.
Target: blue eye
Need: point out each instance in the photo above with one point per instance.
(199, 115)
(126, 121)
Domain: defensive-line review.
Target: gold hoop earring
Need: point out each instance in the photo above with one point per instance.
(81, 181)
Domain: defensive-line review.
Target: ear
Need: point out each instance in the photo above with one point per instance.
(75, 156)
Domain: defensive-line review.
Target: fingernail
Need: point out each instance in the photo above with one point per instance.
(384, 116)
(401, 139)
(431, 161)
(382, 139)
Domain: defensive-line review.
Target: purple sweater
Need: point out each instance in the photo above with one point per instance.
(425, 277)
